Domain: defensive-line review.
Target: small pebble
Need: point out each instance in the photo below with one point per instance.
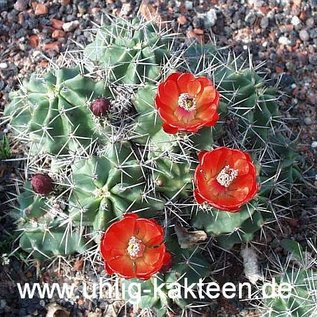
(189, 5)
(310, 22)
(304, 35)
(264, 22)
(41, 9)
(210, 18)
(308, 121)
(70, 26)
(64, 2)
(314, 145)
(181, 20)
(3, 65)
(3, 303)
(21, 5)
(295, 20)
(313, 59)
(284, 40)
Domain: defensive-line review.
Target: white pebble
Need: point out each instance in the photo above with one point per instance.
(189, 5)
(284, 40)
(314, 144)
(210, 18)
(251, 265)
(295, 20)
(70, 26)
(3, 65)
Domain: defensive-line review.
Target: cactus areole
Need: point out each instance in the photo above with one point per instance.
(42, 184)
(133, 247)
(187, 103)
(225, 178)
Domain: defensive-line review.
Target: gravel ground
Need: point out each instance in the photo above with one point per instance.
(282, 33)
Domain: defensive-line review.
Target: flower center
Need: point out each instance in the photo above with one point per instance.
(187, 102)
(135, 247)
(227, 176)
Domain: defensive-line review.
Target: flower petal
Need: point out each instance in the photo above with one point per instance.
(194, 87)
(149, 232)
(124, 266)
(169, 129)
(168, 94)
(198, 197)
(208, 95)
(183, 80)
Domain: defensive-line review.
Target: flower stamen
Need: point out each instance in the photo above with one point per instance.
(187, 102)
(226, 176)
(135, 247)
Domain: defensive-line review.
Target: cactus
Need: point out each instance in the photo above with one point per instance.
(172, 178)
(40, 221)
(104, 144)
(105, 188)
(52, 114)
(299, 272)
(130, 52)
(190, 265)
(230, 228)
(31, 205)
(302, 300)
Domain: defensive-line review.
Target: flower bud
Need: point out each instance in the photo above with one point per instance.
(100, 107)
(42, 184)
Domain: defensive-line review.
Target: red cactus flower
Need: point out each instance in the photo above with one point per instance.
(187, 103)
(225, 178)
(42, 184)
(167, 263)
(133, 247)
(100, 107)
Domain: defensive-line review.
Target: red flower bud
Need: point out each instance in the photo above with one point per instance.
(42, 184)
(100, 107)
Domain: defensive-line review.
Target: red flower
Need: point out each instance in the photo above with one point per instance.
(167, 262)
(187, 103)
(225, 178)
(133, 247)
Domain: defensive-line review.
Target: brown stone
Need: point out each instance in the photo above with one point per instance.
(34, 40)
(64, 2)
(21, 18)
(192, 34)
(41, 9)
(57, 24)
(264, 10)
(199, 31)
(150, 13)
(53, 46)
(303, 15)
(58, 34)
(95, 10)
(78, 265)
(181, 20)
(43, 63)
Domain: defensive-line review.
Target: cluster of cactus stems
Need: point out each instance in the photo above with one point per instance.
(298, 271)
(96, 150)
